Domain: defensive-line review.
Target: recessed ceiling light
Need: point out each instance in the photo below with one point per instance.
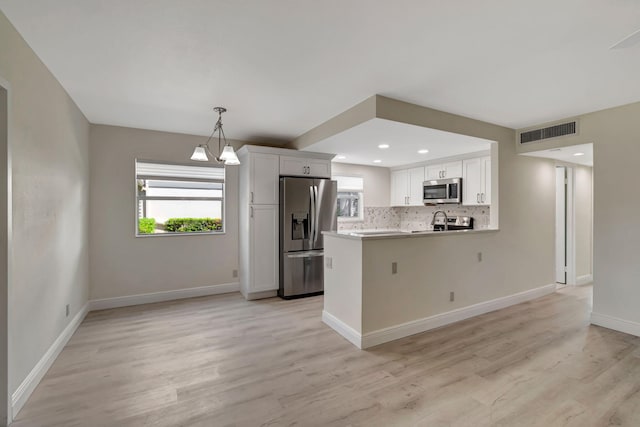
(341, 157)
(383, 146)
(377, 161)
(578, 154)
(423, 151)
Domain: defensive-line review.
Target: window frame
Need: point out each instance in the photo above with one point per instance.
(223, 207)
(347, 189)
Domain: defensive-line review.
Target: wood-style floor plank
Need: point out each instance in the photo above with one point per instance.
(224, 361)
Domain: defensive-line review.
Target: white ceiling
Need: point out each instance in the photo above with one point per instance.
(282, 67)
(568, 154)
(359, 144)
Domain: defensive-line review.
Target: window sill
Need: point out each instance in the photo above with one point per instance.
(215, 233)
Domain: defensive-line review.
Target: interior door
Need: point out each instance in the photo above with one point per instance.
(561, 225)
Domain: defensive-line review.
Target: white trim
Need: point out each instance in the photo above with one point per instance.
(584, 280)
(23, 392)
(421, 325)
(610, 322)
(350, 334)
(125, 301)
(5, 346)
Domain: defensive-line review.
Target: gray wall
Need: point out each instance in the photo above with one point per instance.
(122, 264)
(584, 217)
(376, 182)
(50, 196)
(615, 135)
(616, 233)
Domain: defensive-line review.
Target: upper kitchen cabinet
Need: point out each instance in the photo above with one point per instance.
(406, 187)
(259, 175)
(476, 181)
(444, 170)
(300, 166)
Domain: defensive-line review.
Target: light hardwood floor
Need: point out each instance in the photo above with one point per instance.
(223, 361)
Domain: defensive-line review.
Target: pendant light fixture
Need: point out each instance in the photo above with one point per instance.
(226, 155)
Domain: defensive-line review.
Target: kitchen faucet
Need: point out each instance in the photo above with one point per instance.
(446, 223)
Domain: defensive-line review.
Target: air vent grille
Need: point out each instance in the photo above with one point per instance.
(550, 132)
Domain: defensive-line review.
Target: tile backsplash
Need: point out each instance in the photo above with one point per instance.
(413, 218)
(374, 219)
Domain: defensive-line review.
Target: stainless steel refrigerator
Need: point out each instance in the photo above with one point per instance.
(307, 207)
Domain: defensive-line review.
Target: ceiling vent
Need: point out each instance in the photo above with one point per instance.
(562, 129)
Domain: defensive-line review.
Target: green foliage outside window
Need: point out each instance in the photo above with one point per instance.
(190, 225)
(146, 225)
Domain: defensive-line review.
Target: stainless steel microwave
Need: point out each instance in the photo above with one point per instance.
(438, 191)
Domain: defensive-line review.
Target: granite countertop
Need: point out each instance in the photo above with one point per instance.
(399, 234)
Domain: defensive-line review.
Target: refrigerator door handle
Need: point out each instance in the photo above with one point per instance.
(305, 254)
(312, 213)
(317, 213)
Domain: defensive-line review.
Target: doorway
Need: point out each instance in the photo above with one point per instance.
(561, 225)
(564, 230)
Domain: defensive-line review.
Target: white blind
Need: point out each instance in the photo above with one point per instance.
(179, 171)
(349, 183)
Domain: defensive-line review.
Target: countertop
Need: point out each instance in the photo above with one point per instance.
(399, 234)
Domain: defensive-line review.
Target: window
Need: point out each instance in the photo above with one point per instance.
(179, 199)
(350, 203)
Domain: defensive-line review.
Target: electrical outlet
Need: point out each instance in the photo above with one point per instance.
(235, 273)
(66, 310)
(452, 296)
(394, 268)
(479, 256)
(328, 262)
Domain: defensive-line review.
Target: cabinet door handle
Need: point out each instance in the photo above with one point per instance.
(483, 197)
(478, 197)
(444, 174)
(251, 211)
(252, 197)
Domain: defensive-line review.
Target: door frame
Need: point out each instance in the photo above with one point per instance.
(570, 223)
(6, 413)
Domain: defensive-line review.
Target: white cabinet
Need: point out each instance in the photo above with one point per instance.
(476, 181)
(399, 184)
(299, 166)
(263, 249)
(259, 199)
(444, 170)
(264, 175)
(406, 187)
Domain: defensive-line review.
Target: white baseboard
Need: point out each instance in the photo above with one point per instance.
(22, 393)
(106, 303)
(584, 280)
(350, 334)
(395, 332)
(617, 324)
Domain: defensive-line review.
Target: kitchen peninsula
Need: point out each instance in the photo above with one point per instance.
(385, 285)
